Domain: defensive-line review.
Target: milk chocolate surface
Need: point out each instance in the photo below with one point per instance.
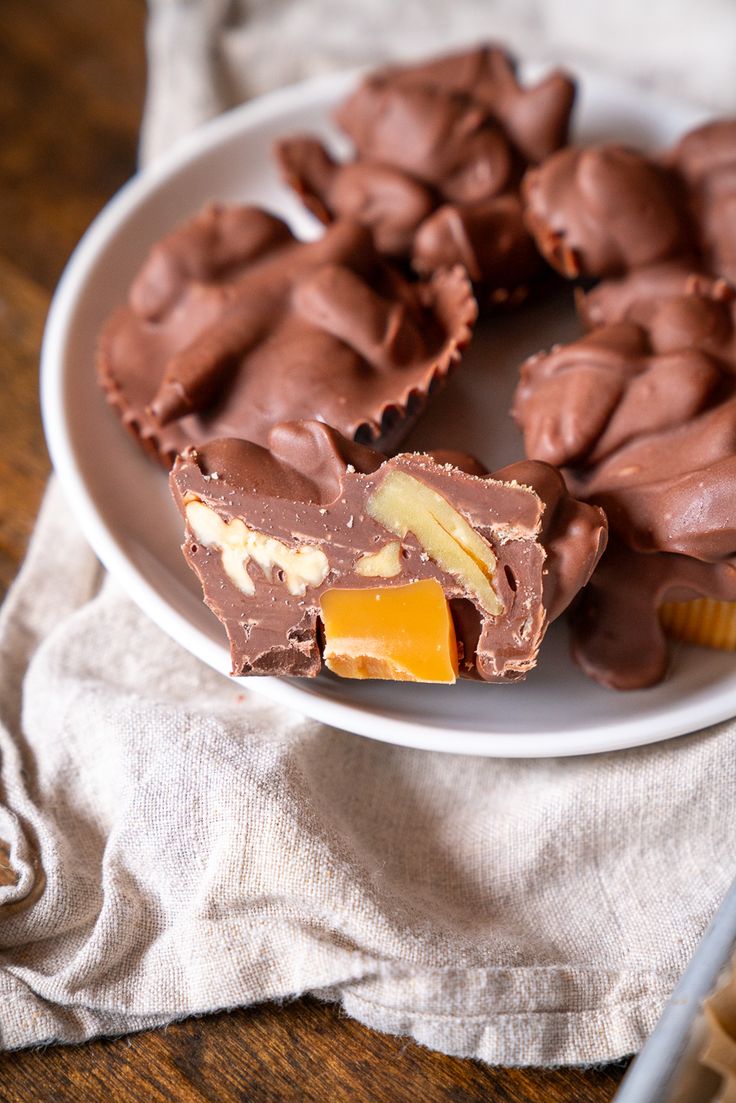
(642, 417)
(603, 210)
(312, 494)
(637, 294)
(440, 149)
(706, 160)
(645, 225)
(233, 325)
(617, 637)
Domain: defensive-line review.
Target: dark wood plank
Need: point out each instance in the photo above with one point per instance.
(300, 1051)
(23, 459)
(71, 94)
(72, 78)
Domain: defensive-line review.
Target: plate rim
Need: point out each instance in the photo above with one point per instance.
(608, 735)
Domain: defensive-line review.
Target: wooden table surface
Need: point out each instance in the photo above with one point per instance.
(72, 76)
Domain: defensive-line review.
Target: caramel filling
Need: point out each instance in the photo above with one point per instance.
(397, 633)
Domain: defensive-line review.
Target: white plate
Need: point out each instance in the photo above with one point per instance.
(121, 498)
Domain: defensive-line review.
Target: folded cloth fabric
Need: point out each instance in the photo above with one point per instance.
(180, 845)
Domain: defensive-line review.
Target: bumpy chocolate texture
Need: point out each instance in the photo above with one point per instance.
(440, 149)
(604, 210)
(233, 325)
(647, 226)
(706, 160)
(617, 637)
(636, 295)
(301, 506)
(642, 417)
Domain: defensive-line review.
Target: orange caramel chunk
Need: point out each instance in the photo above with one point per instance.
(397, 633)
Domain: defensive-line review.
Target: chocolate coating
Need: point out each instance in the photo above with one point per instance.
(487, 238)
(233, 325)
(643, 419)
(443, 138)
(383, 198)
(439, 151)
(635, 295)
(617, 637)
(647, 226)
(536, 118)
(603, 210)
(310, 486)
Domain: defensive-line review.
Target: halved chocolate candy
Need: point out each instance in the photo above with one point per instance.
(317, 548)
(233, 325)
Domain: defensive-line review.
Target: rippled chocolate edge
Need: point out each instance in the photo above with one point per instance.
(220, 253)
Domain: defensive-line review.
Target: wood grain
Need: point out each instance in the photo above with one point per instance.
(302, 1051)
(71, 93)
(23, 460)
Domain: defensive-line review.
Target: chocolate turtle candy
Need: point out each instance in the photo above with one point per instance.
(440, 148)
(233, 325)
(604, 210)
(315, 549)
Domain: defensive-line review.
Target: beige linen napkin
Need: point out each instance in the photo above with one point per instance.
(182, 846)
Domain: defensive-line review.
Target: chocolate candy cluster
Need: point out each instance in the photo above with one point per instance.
(641, 412)
(440, 150)
(647, 227)
(466, 570)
